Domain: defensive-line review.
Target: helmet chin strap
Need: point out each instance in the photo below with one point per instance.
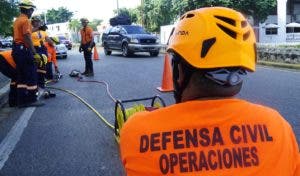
(226, 77)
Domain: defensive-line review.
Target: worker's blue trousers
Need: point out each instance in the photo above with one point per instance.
(26, 74)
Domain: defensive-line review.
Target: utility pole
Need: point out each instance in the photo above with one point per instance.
(118, 10)
(45, 17)
(142, 11)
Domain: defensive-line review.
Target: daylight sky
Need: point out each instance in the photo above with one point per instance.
(91, 9)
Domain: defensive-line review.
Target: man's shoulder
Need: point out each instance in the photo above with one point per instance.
(22, 19)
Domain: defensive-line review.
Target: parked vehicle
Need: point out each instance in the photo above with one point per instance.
(61, 51)
(65, 41)
(130, 39)
(5, 43)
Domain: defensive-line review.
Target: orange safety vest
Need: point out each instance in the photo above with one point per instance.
(21, 27)
(228, 137)
(51, 53)
(86, 35)
(7, 56)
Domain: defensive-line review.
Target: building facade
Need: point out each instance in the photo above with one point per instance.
(283, 27)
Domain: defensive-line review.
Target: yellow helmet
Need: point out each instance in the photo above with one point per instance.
(35, 18)
(26, 4)
(55, 40)
(214, 37)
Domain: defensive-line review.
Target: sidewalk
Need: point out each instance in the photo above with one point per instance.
(4, 88)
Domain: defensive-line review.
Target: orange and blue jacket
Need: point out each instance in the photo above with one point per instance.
(8, 57)
(228, 137)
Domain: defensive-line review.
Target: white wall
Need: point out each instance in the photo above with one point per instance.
(165, 32)
(59, 29)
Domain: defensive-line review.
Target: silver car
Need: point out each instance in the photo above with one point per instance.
(61, 51)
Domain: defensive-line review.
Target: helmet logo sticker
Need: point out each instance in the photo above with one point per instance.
(206, 45)
(182, 33)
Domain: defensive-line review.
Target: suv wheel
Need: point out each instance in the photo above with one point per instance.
(154, 53)
(125, 50)
(106, 51)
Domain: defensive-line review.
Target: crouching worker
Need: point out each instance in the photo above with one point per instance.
(208, 132)
(51, 58)
(8, 68)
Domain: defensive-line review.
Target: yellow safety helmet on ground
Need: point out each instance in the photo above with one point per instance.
(26, 4)
(214, 37)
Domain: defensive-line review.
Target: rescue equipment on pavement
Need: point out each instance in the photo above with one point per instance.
(74, 73)
(122, 114)
(48, 94)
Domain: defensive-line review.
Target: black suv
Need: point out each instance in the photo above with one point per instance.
(129, 39)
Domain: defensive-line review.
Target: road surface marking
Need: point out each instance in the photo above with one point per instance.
(14, 135)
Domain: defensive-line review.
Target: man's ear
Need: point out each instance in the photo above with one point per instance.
(180, 75)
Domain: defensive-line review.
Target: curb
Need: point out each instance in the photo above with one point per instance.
(280, 65)
(4, 95)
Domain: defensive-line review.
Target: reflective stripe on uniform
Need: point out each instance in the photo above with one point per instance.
(32, 87)
(24, 86)
(41, 71)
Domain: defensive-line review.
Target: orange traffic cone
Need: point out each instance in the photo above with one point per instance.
(167, 79)
(96, 56)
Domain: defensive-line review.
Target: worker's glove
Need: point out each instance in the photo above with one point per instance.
(56, 69)
(80, 49)
(44, 60)
(37, 59)
(40, 59)
(89, 49)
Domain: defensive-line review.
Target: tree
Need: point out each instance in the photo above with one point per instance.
(7, 13)
(131, 13)
(93, 24)
(171, 10)
(60, 15)
(74, 26)
(259, 10)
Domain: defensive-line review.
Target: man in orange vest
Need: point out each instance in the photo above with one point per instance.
(51, 57)
(86, 45)
(8, 68)
(209, 132)
(24, 55)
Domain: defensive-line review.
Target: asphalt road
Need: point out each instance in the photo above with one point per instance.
(65, 138)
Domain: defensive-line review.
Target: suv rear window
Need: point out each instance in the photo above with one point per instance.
(134, 30)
